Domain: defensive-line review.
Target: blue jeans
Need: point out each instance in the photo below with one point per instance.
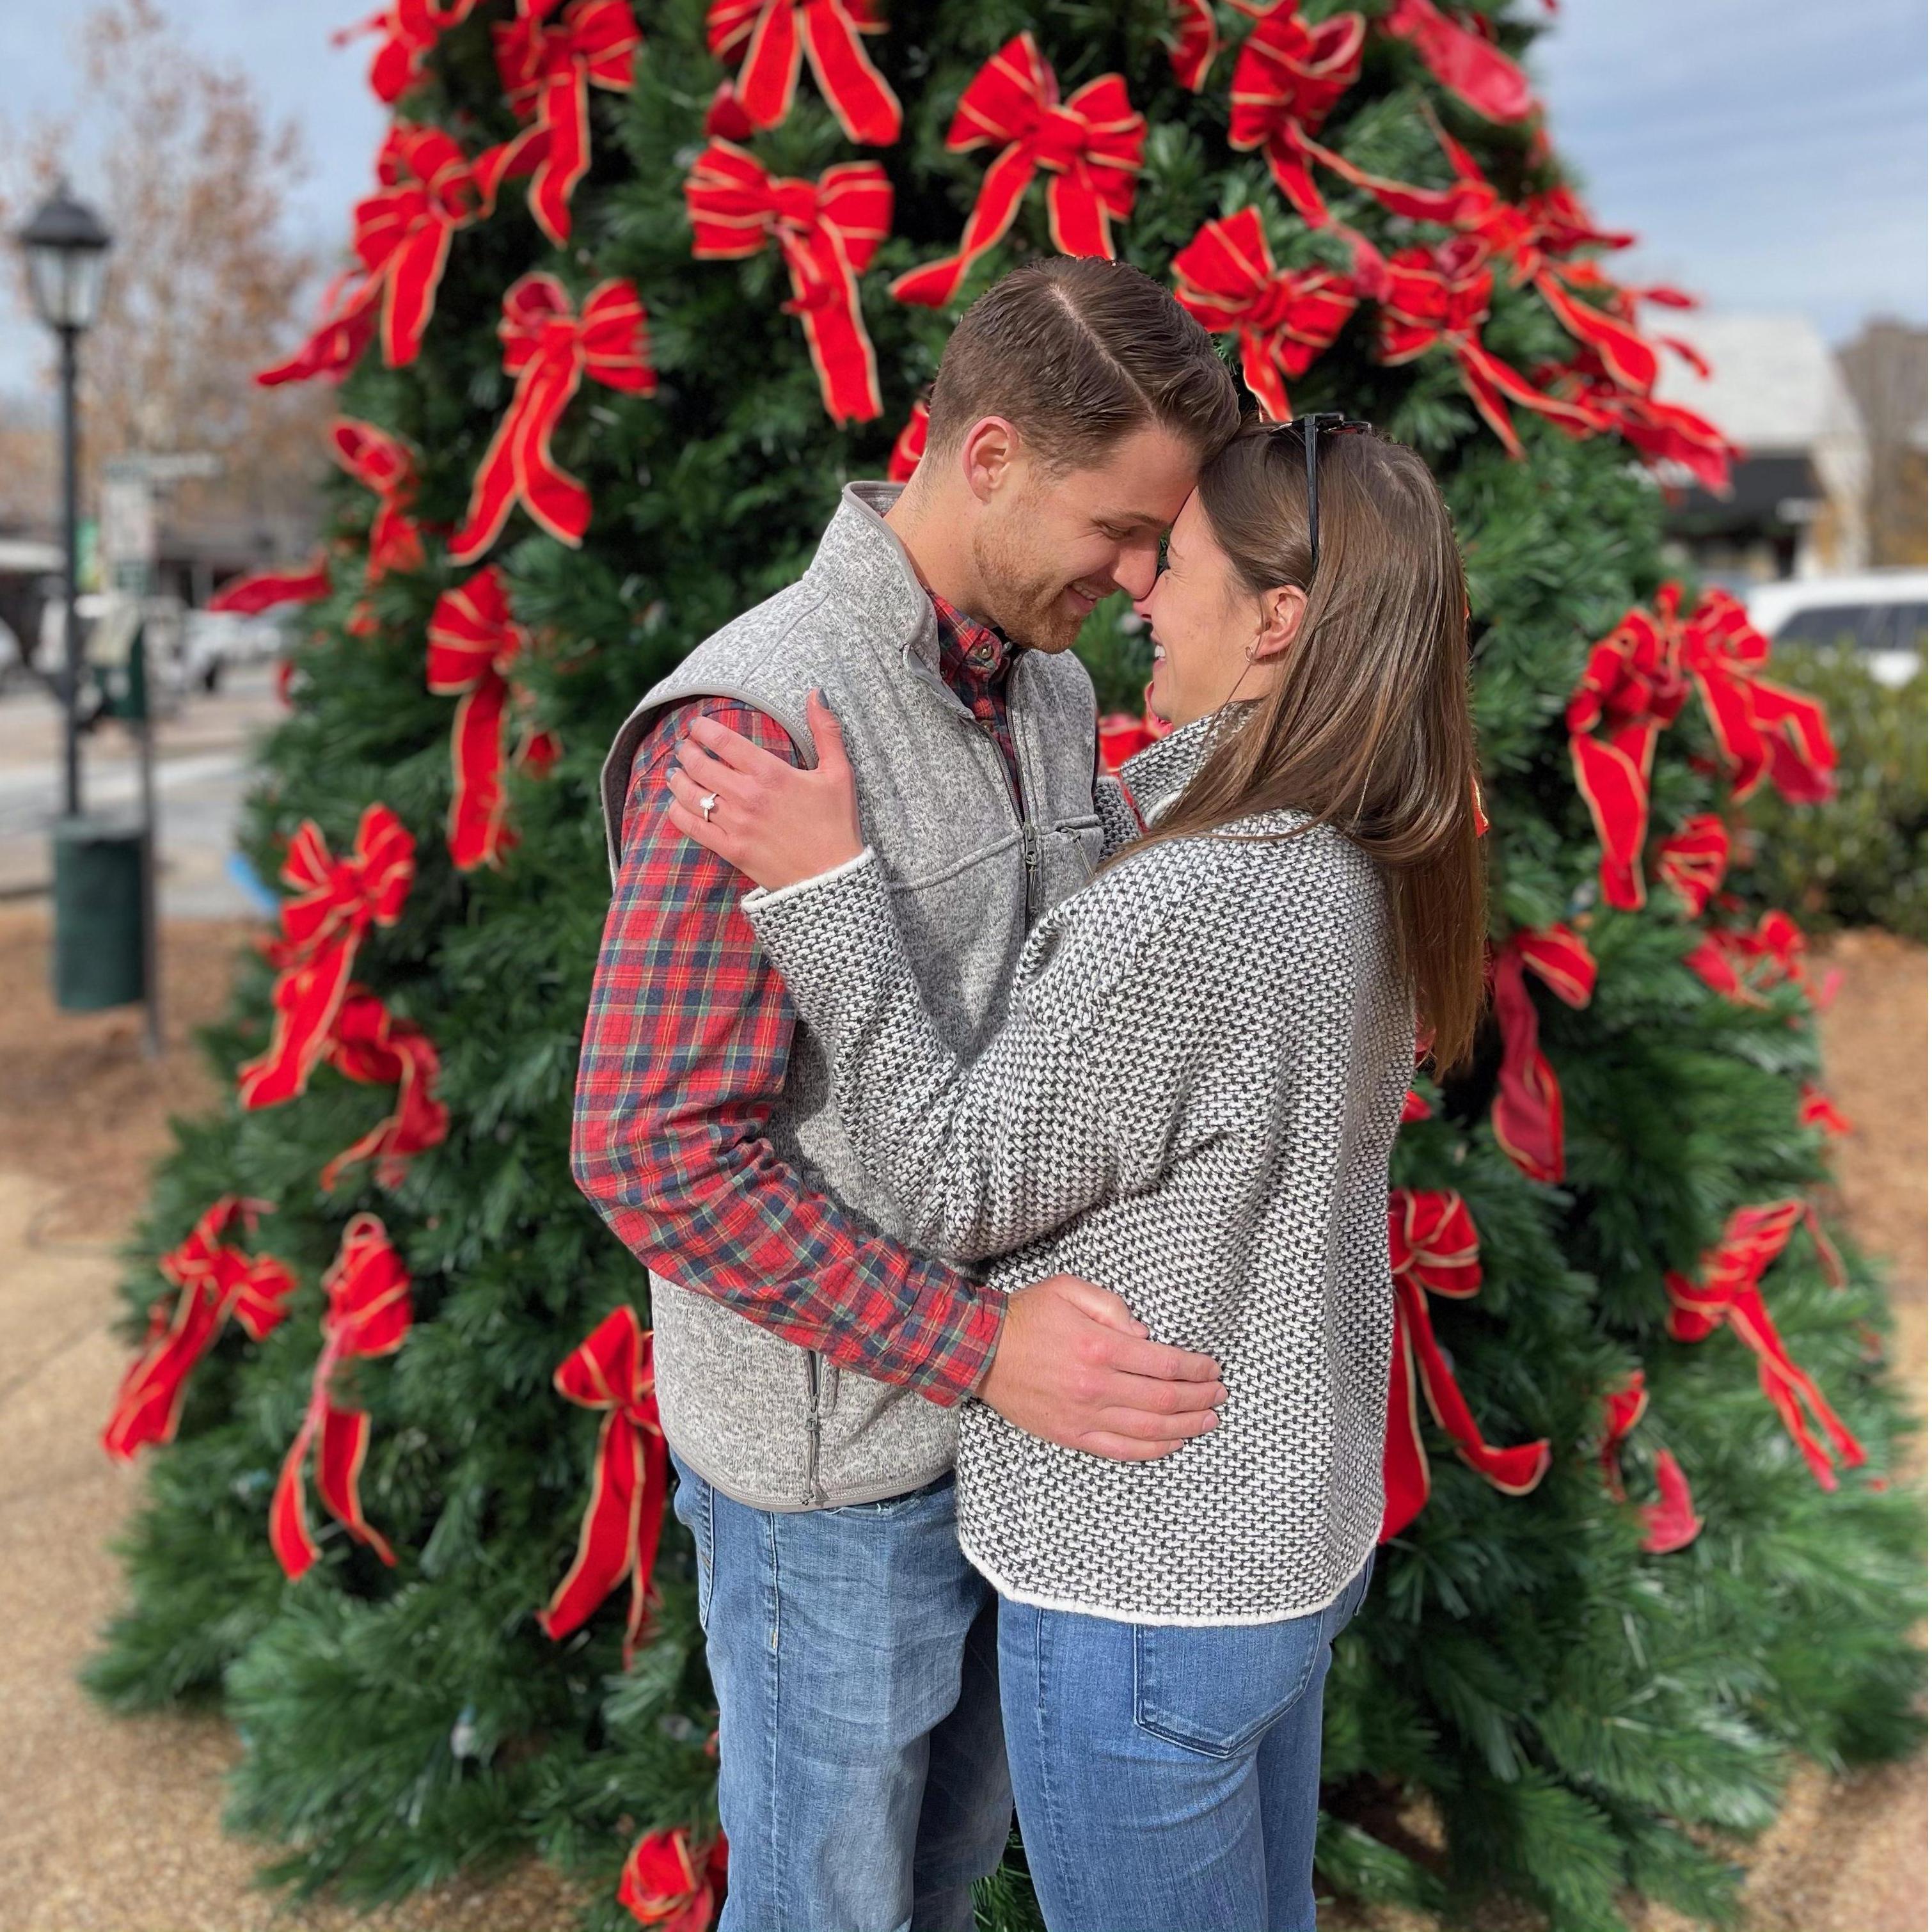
(1169, 1776)
(863, 1779)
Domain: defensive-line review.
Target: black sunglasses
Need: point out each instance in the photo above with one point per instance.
(1311, 426)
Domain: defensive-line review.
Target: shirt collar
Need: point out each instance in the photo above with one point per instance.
(978, 650)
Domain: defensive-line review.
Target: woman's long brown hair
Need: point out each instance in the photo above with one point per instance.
(1367, 726)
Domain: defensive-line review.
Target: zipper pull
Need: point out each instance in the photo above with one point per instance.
(1030, 844)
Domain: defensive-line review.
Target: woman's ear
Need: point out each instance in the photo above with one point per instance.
(1283, 610)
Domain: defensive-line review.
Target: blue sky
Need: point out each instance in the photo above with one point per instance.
(1770, 153)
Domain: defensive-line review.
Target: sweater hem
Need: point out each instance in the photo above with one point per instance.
(1202, 1619)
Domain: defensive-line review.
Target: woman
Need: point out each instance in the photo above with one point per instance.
(1191, 1101)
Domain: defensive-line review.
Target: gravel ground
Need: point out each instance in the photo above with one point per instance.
(114, 1825)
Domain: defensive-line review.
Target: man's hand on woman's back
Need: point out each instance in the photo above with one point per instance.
(1074, 1367)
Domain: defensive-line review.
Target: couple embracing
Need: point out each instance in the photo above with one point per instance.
(1008, 1143)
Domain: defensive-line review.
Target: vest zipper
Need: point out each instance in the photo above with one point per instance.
(814, 1495)
(1030, 848)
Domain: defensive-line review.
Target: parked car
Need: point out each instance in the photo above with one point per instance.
(213, 641)
(1878, 614)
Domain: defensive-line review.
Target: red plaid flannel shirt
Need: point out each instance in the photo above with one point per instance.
(685, 1048)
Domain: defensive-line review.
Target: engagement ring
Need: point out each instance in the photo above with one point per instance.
(707, 805)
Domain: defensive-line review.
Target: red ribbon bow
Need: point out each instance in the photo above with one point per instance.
(1671, 1521)
(369, 1044)
(611, 1370)
(774, 36)
(381, 462)
(909, 445)
(827, 231)
(1433, 1248)
(265, 589)
(1693, 860)
(410, 30)
(1226, 279)
(550, 350)
(1760, 726)
(334, 903)
(1439, 298)
(473, 643)
(1632, 687)
(1729, 1291)
(214, 1280)
(548, 71)
(1661, 432)
(664, 1884)
(368, 1314)
(1288, 77)
(1527, 1113)
(1469, 65)
(428, 189)
(1195, 39)
(1090, 147)
(1815, 1110)
(1739, 962)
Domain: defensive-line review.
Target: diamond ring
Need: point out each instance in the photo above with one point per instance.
(707, 805)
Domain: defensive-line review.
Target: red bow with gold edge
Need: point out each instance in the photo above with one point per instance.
(611, 1371)
(550, 349)
(1433, 1248)
(410, 30)
(1760, 726)
(368, 1043)
(265, 589)
(1632, 687)
(1693, 860)
(1439, 298)
(1660, 432)
(382, 463)
(1738, 962)
(774, 36)
(349, 311)
(1729, 1291)
(1226, 279)
(368, 1314)
(663, 1885)
(334, 905)
(547, 70)
(1470, 66)
(1671, 1521)
(827, 231)
(1527, 1113)
(1194, 40)
(1815, 1110)
(1090, 147)
(1288, 77)
(473, 642)
(215, 1280)
(909, 445)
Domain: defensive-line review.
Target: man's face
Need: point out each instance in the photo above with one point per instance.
(1047, 548)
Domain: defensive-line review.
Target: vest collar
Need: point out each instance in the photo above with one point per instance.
(862, 559)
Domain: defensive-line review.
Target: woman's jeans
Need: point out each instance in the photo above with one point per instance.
(1168, 1776)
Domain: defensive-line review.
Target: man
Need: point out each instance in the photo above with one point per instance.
(808, 1364)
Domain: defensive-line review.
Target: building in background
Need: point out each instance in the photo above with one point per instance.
(1799, 501)
(1884, 364)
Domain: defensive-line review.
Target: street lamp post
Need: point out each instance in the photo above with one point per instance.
(66, 248)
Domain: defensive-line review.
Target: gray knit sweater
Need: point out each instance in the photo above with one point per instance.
(1191, 1102)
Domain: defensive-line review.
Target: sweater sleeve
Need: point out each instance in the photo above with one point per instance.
(1051, 1118)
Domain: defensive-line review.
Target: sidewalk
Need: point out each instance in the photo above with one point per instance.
(202, 758)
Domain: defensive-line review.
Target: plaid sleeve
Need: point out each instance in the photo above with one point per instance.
(685, 1051)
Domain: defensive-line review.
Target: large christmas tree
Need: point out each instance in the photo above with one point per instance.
(638, 289)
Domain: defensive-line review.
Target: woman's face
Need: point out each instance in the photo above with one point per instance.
(1204, 623)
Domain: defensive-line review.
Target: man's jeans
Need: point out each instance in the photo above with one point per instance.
(1168, 1776)
(862, 1777)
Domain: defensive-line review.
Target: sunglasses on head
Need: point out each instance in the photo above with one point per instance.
(1311, 426)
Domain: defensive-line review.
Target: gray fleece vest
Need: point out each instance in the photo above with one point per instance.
(969, 869)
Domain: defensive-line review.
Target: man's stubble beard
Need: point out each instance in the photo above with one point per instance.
(1023, 600)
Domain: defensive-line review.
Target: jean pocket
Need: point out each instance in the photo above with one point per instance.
(1216, 1689)
(690, 1503)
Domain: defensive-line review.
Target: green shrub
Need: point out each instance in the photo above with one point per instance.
(1859, 860)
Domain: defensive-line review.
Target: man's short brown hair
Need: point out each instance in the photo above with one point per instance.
(1077, 352)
